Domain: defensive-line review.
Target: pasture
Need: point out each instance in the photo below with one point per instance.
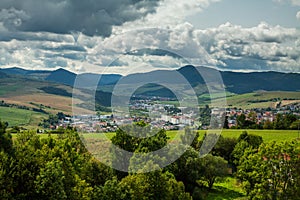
(20, 117)
(267, 135)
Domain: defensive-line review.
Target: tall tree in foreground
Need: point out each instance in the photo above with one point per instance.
(272, 172)
(5, 138)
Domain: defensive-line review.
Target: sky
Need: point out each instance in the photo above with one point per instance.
(122, 36)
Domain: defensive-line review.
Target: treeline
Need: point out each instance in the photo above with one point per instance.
(46, 168)
(53, 120)
(270, 171)
(4, 104)
(56, 91)
(281, 122)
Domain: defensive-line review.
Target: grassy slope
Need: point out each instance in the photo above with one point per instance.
(22, 91)
(243, 100)
(19, 117)
(227, 189)
(246, 100)
(267, 135)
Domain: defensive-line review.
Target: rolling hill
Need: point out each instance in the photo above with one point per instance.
(58, 84)
(240, 82)
(235, 82)
(52, 90)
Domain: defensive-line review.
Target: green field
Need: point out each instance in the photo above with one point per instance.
(227, 189)
(20, 117)
(267, 135)
(251, 100)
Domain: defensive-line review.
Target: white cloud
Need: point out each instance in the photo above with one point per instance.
(298, 15)
(169, 13)
(295, 2)
(292, 2)
(263, 47)
(229, 46)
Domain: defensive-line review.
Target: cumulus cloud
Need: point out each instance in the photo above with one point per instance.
(298, 15)
(263, 47)
(292, 2)
(227, 47)
(93, 17)
(296, 2)
(168, 14)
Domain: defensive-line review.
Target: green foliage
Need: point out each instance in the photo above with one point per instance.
(138, 138)
(229, 188)
(187, 169)
(205, 114)
(7, 165)
(241, 120)
(283, 122)
(268, 125)
(110, 190)
(295, 125)
(61, 168)
(50, 168)
(214, 167)
(245, 141)
(190, 138)
(253, 140)
(224, 147)
(50, 181)
(272, 172)
(53, 120)
(153, 185)
(250, 122)
(5, 138)
(226, 123)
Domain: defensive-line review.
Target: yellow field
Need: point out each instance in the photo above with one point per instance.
(57, 103)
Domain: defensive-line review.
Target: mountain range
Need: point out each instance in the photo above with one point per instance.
(54, 89)
(235, 82)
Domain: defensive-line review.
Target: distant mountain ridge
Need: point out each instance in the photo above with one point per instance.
(235, 82)
(21, 71)
(61, 76)
(245, 82)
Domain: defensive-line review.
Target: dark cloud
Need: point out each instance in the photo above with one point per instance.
(92, 17)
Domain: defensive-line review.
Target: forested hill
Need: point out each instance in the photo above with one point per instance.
(235, 82)
(239, 82)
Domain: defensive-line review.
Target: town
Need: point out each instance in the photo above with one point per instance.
(171, 117)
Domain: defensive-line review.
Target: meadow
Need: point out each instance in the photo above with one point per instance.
(267, 135)
(20, 117)
(261, 99)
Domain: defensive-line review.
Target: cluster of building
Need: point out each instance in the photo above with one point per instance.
(165, 116)
(168, 117)
(261, 115)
